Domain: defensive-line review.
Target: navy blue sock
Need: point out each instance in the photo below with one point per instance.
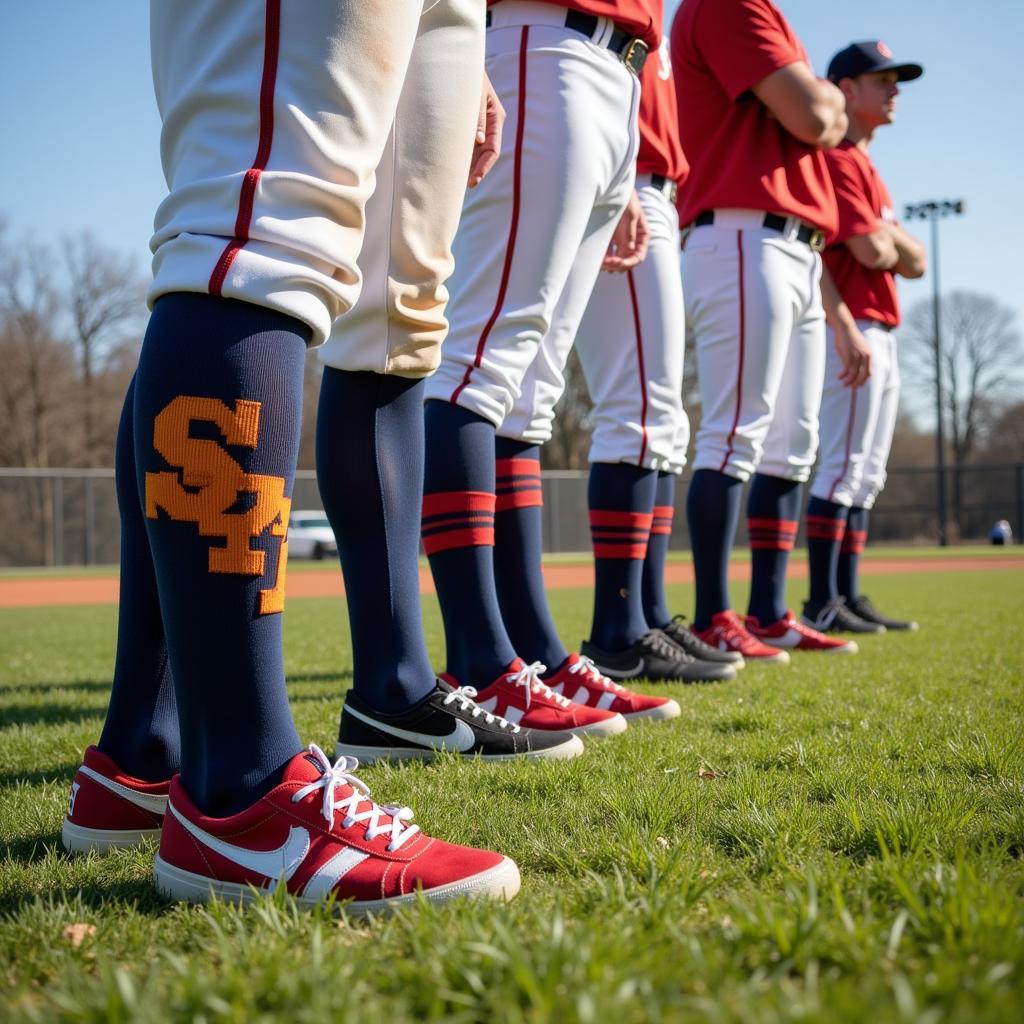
(458, 537)
(773, 517)
(620, 497)
(824, 524)
(656, 610)
(141, 729)
(218, 407)
(369, 465)
(519, 553)
(712, 511)
(848, 571)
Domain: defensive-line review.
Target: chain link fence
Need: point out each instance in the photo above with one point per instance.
(68, 517)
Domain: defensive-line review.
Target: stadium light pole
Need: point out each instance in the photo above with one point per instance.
(934, 210)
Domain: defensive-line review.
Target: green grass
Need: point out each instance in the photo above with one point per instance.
(856, 856)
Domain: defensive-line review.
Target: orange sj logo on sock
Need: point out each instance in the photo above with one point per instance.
(216, 481)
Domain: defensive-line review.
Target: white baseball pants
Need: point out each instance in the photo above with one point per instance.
(534, 232)
(630, 345)
(275, 120)
(857, 425)
(753, 303)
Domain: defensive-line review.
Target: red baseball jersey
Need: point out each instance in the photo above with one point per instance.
(864, 202)
(660, 149)
(634, 16)
(740, 155)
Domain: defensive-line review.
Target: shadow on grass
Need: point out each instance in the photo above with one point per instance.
(139, 895)
(55, 773)
(46, 714)
(320, 677)
(81, 685)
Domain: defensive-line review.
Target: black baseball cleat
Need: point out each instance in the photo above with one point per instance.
(833, 616)
(446, 719)
(654, 656)
(863, 608)
(682, 636)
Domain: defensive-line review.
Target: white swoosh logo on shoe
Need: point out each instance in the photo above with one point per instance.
(790, 639)
(155, 803)
(279, 863)
(461, 738)
(327, 876)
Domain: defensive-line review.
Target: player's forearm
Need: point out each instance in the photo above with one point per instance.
(830, 110)
(911, 260)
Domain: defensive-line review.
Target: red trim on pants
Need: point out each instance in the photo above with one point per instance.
(639, 338)
(739, 368)
(849, 443)
(513, 230)
(247, 197)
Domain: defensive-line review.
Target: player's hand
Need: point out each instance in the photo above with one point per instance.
(629, 243)
(854, 355)
(487, 144)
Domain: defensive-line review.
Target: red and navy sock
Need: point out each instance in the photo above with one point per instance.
(856, 536)
(519, 552)
(773, 516)
(824, 525)
(458, 538)
(369, 465)
(141, 730)
(218, 409)
(656, 610)
(712, 511)
(621, 498)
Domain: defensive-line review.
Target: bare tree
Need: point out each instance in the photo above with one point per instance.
(106, 303)
(36, 380)
(980, 360)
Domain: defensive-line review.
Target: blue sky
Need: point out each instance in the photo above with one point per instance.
(81, 128)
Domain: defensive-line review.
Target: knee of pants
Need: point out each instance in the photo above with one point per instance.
(737, 456)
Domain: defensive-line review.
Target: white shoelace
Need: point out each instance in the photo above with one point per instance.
(587, 668)
(528, 677)
(340, 774)
(466, 696)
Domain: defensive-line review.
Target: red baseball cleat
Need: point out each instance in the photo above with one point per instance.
(519, 696)
(109, 810)
(319, 834)
(727, 633)
(580, 681)
(793, 635)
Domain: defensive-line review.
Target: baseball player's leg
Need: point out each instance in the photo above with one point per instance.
(370, 420)
(773, 511)
(519, 530)
(655, 600)
(140, 734)
(540, 200)
(848, 421)
(848, 572)
(270, 142)
(630, 347)
(741, 297)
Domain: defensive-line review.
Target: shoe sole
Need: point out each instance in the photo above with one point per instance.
(367, 755)
(781, 658)
(850, 647)
(79, 839)
(500, 882)
(614, 726)
(660, 713)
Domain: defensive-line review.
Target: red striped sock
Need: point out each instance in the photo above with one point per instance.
(457, 519)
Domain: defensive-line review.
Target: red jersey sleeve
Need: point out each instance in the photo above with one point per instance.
(742, 43)
(856, 215)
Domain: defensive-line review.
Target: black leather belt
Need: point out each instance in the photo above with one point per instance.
(663, 184)
(631, 50)
(814, 237)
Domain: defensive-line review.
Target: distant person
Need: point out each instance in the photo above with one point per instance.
(1001, 533)
(864, 256)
